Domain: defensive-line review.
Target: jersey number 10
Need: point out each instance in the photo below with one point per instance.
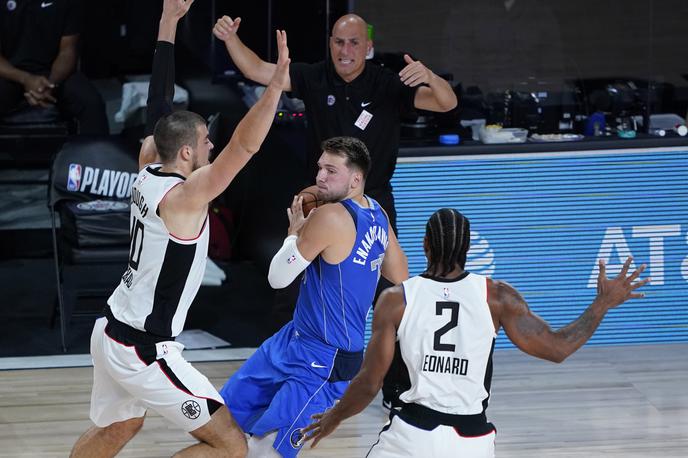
(136, 236)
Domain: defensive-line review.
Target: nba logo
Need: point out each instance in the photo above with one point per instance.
(74, 177)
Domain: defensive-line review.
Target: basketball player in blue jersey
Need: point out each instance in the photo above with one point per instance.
(137, 364)
(446, 321)
(344, 246)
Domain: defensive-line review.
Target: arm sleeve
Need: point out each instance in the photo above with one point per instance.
(287, 264)
(161, 88)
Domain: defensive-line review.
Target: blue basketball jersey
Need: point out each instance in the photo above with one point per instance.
(334, 299)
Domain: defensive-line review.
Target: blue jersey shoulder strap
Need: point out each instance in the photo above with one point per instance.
(349, 205)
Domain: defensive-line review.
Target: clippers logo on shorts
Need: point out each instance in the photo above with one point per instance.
(101, 182)
(74, 177)
(296, 438)
(191, 409)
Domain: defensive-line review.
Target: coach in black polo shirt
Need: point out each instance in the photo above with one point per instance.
(349, 96)
(38, 58)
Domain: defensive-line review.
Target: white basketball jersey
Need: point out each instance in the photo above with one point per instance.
(164, 271)
(447, 337)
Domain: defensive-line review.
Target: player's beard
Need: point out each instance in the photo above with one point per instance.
(334, 196)
(195, 165)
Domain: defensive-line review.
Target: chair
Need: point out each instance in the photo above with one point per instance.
(31, 135)
(89, 191)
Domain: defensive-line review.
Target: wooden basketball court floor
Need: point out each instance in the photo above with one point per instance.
(619, 401)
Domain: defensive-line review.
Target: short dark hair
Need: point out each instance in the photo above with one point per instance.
(449, 237)
(176, 130)
(353, 149)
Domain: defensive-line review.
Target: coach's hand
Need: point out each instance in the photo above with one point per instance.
(414, 73)
(226, 27)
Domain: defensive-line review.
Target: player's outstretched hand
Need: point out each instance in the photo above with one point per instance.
(616, 291)
(226, 27)
(325, 423)
(280, 78)
(176, 9)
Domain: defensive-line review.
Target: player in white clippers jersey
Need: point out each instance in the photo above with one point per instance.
(137, 363)
(446, 321)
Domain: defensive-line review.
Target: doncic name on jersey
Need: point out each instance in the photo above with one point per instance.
(101, 182)
(373, 234)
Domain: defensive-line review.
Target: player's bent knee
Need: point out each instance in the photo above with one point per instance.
(223, 433)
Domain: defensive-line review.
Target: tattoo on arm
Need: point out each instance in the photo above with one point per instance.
(528, 327)
(582, 328)
(533, 334)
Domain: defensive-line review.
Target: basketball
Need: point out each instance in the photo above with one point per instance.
(310, 199)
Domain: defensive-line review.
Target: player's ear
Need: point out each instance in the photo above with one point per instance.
(357, 179)
(185, 153)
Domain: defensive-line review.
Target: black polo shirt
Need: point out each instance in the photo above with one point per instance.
(333, 107)
(31, 30)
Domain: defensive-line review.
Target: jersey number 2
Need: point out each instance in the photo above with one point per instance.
(453, 322)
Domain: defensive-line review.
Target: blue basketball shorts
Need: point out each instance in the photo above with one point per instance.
(287, 380)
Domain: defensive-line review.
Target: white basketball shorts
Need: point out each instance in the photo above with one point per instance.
(129, 379)
(399, 439)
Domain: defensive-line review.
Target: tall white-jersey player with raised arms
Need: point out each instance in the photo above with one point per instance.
(137, 363)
